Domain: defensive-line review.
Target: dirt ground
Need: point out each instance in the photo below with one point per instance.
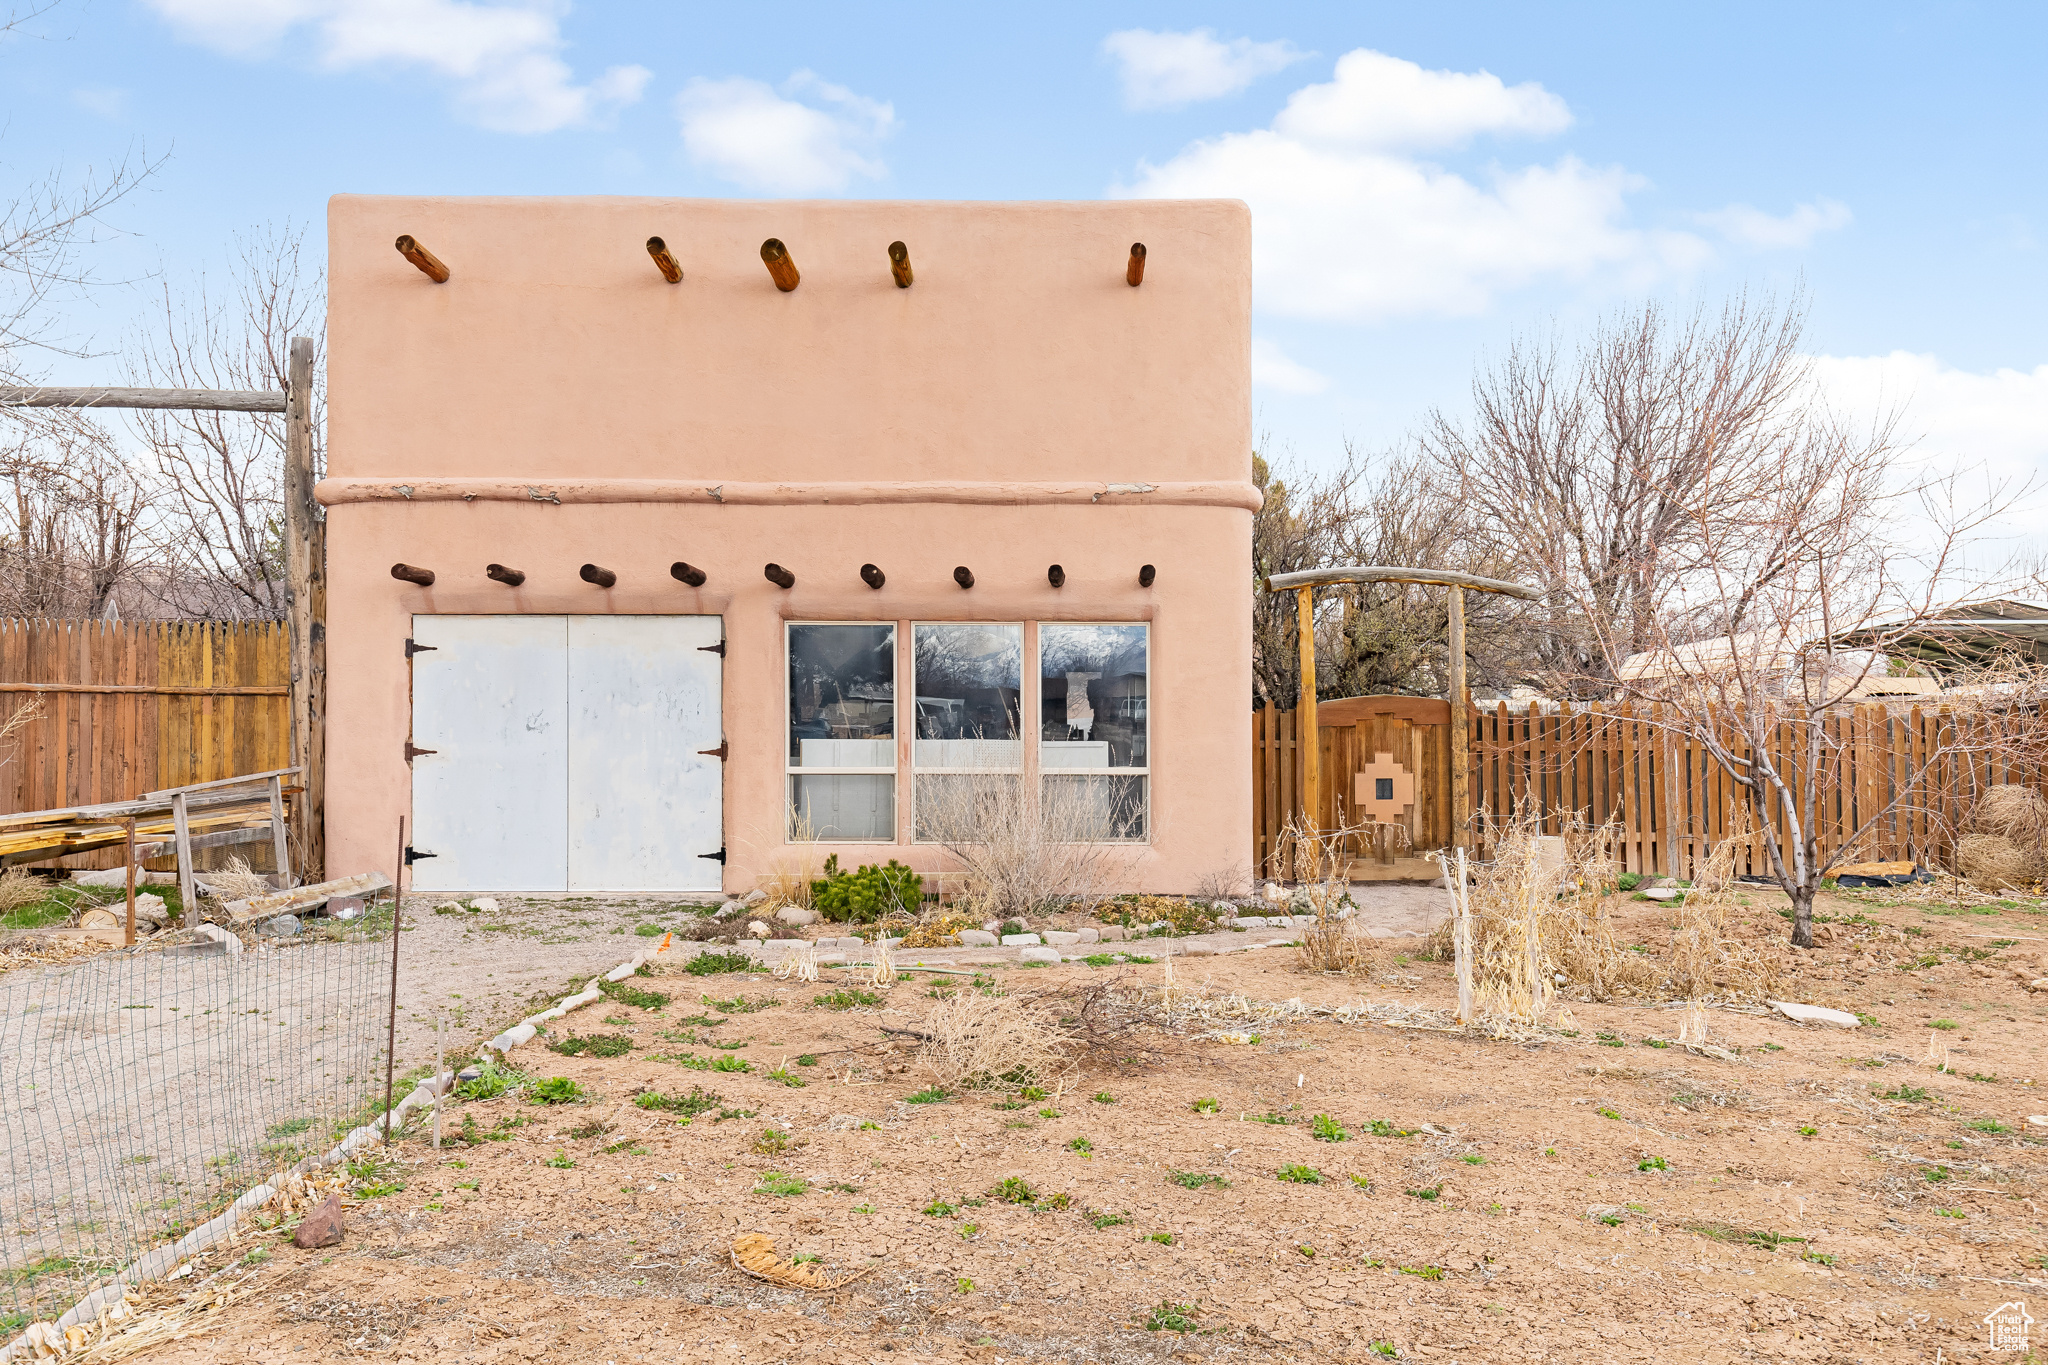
(1815, 1194)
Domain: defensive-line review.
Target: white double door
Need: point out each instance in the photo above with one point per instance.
(568, 753)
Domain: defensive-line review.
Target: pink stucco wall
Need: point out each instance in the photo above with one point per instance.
(557, 402)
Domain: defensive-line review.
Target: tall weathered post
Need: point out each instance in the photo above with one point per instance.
(1461, 740)
(1306, 734)
(306, 567)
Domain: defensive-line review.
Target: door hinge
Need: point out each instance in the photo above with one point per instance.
(412, 753)
(719, 650)
(413, 855)
(721, 750)
(412, 647)
(717, 857)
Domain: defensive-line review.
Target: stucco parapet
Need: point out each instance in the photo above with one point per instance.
(1245, 495)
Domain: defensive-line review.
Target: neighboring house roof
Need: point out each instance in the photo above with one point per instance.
(1965, 637)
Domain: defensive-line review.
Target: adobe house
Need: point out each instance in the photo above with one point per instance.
(694, 570)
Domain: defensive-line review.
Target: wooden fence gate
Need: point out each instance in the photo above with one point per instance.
(129, 707)
(1383, 756)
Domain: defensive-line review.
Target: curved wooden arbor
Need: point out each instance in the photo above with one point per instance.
(1304, 584)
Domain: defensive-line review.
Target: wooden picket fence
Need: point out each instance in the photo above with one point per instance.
(1911, 768)
(128, 707)
(1667, 799)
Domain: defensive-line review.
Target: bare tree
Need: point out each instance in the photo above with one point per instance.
(46, 227)
(1783, 615)
(1370, 637)
(1601, 475)
(75, 527)
(223, 472)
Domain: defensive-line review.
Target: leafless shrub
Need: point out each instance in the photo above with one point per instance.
(979, 1041)
(1024, 853)
(1224, 883)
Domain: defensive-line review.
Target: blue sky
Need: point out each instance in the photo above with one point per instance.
(1427, 181)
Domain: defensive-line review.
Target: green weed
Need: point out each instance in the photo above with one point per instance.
(558, 1090)
(592, 1044)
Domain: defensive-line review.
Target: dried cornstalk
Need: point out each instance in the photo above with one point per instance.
(799, 964)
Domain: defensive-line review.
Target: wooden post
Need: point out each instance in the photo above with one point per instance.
(1307, 736)
(188, 891)
(280, 838)
(1461, 744)
(128, 829)
(306, 566)
(1461, 933)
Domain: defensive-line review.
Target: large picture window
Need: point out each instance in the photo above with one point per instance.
(842, 732)
(1094, 731)
(968, 747)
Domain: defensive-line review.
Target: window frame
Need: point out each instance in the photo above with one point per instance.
(1038, 728)
(793, 770)
(1026, 692)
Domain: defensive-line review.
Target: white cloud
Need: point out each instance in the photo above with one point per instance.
(1166, 70)
(1273, 368)
(1992, 428)
(1382, 101)
(1348, 226)
(502, 59)
(1959, 417)
(1794, 231)
(745, 132)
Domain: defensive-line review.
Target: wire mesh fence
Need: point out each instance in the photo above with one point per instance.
(142, 1090)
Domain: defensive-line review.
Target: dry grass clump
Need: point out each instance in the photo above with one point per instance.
(236, 882)
(19, 887)
(2005, 843)
(1332, 945)
(1538, 913)
(789, 883)
(1703, 960)
(977, 1041)
(1994, 862)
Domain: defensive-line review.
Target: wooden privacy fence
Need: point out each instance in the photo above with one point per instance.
(1668, 800)
(1671, 801)
(129, 707)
